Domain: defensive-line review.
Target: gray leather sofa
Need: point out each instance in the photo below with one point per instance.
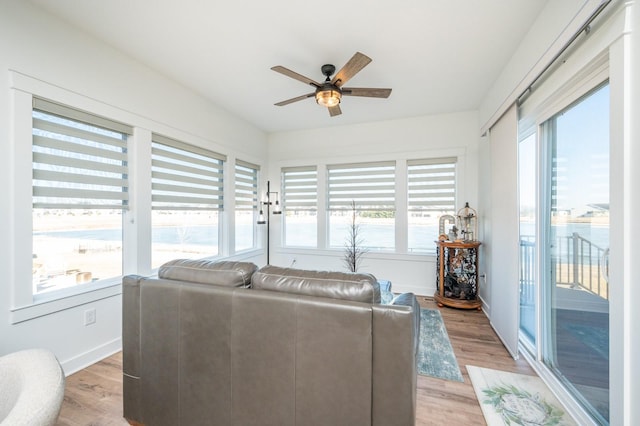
(223, 344)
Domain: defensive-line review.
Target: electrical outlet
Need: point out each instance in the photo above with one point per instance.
(293, 262)
(90, 316)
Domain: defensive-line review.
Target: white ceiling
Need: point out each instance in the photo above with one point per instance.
(438, 56)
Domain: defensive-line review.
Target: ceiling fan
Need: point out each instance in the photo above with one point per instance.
(330, 92)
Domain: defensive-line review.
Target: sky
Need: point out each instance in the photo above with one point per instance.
(581, 155)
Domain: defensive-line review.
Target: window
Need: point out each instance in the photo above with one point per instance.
(186, 198)
(246, 177)
(80, 189)
(431, 189)
(369, 188)
(300, 206)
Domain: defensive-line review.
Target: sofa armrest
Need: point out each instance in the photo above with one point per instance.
(394, 365)
(131, 345)
(409, 299)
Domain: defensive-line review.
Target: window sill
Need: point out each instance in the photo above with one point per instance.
(58, 301)
(409, 257)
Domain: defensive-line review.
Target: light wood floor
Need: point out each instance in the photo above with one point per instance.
(93, 396)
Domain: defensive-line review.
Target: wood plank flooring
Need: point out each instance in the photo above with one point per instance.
(443, 402)
(93, 396)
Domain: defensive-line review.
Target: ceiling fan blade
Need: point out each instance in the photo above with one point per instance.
(351, 68)
(334, 110)
(296, 99)
(295, 75)
(366, 91)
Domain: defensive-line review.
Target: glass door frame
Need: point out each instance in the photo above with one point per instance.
(525, 341)
(551, 346)
(580, 85)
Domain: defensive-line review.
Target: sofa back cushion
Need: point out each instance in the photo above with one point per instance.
(224, 273)
(335, 285)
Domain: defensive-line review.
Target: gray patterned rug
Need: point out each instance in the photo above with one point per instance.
(435, 354)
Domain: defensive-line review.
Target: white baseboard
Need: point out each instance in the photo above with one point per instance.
(417, 290)
(88, 358)
(486, 308)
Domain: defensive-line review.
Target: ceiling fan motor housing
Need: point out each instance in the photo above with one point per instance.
(328, 70)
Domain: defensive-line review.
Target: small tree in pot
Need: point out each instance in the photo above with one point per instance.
(353, 250)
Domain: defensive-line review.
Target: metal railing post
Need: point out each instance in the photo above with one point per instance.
(576, 265)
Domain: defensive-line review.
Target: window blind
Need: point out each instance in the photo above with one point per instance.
(431, 184)
(185, 177)
(300, 188)
(371, 186)
(79, 159)
(246, 179)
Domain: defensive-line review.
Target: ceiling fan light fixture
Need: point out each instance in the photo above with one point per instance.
(329, 93)
(328, 97)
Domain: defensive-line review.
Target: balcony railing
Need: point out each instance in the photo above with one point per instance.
(578, 263)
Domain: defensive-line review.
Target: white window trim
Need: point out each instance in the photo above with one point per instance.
(232, 225)
(24, 304)
(63, 302)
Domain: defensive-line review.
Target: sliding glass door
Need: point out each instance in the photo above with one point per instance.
(575, 294)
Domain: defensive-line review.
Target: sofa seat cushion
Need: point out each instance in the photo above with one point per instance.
(224, 273)
(335, 285)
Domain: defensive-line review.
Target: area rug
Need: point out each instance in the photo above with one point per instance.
(516, 399)
(435, 354)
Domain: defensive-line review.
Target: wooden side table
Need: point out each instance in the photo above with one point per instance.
(457, 279)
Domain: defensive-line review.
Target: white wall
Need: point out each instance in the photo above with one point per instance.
(485, 227)
(553, 28)
(419, 137)
(62, 61)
